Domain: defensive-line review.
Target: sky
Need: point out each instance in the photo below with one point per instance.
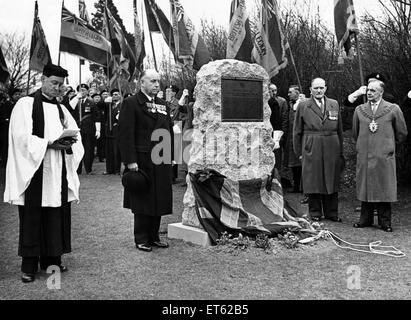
(17, 16)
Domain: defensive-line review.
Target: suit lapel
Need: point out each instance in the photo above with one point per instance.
(314, 107)
(381, 108)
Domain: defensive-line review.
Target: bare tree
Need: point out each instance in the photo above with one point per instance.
(17, 54)
(215, 37)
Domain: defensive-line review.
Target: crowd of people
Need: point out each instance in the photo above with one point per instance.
(43, 167)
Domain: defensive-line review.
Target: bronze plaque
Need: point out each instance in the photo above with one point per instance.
(242, 100)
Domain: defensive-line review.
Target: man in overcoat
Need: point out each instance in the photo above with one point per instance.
(290, 159)
(144, 121)
(377, 126)
(318, 141)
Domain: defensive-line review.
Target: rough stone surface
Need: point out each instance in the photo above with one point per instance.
(240, 151)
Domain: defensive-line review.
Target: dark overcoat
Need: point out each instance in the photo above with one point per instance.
(290, 158)
(376, 167)
(136, 127)
(318, 138)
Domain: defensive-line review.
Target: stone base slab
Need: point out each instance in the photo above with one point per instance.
(189, 234)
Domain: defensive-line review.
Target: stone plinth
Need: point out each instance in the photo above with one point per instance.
(189, 234)
(238, 150)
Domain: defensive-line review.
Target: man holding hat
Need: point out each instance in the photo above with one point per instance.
(145, 120)
(41, 176)
(89, 123)
(112, 114)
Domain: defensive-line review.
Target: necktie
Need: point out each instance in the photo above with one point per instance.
(374, 107)
(322, 107)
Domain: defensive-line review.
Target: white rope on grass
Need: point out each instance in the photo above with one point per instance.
(373, 247)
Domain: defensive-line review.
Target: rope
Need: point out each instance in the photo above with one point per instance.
(373, 247)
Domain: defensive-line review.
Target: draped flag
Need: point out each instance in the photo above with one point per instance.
(251, 206)
(126, 58)
(269, 50)
(139, 40)
(158, 22)
(239, 43)
(81, 39)
(190, 46)
(39, 50)
(4, 71)
(345, 27)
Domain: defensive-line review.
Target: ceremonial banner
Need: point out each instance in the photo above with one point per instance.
(158, 22)
(83, 11)
(190, 46)
(345, 27)
(4, 71)
(127, 60)
(39, 50)
(239, 43)
(269, 51)
(83, 40)
(139, 40)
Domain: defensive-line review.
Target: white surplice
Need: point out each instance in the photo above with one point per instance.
(27, 152)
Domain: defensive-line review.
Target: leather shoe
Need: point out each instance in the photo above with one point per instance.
(144, 247)
(27, 277)
(160, 244)
(360, 225)
(387, 229)
(335, 219)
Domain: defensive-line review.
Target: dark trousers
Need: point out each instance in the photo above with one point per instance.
(146, 229)
(278, 159)
(297, 172)
(113, 161)
(30, 265)
(101, 147)
(319, 204)
(383, 210)
(89, 143)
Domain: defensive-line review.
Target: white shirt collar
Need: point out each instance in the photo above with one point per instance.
(376, 103)
(151, 99)
(319, 102)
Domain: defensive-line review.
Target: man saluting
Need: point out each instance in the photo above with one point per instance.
(377, 126)
(41, 176)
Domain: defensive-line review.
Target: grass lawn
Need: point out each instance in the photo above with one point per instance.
(104, 263)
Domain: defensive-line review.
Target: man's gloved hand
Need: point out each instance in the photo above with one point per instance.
(360, 92)
(98, 135)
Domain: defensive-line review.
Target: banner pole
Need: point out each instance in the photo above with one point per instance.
(360, 64)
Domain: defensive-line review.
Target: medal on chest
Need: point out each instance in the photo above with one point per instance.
(373, 126)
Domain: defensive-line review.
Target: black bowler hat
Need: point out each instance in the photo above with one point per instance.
(375, 75)
(136, 181)
(83, 86)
